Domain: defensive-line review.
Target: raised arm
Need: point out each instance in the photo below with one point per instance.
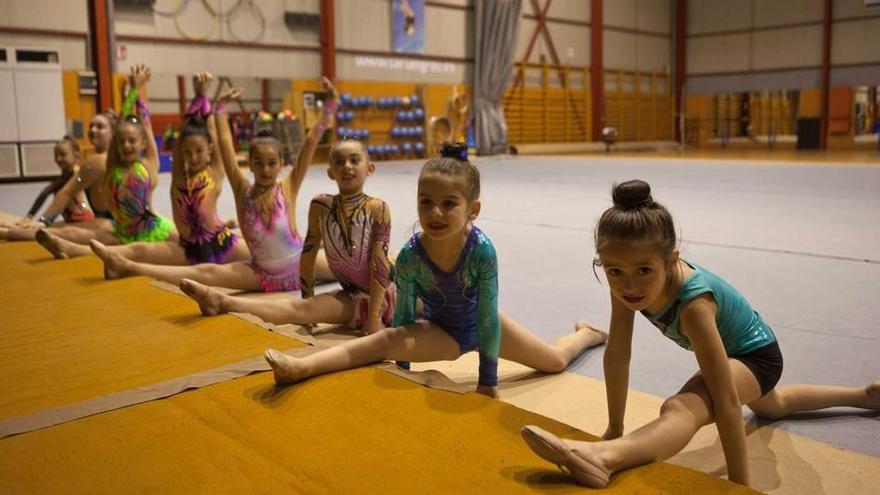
(488, 319)
(698, 324)
(139, 77)
(199, 107)
(380, 266)
(237, 178)
(618, 350)
(310, 248)
(307, 153)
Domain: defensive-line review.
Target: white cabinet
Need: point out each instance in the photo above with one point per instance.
(9, 120)
(32, 106)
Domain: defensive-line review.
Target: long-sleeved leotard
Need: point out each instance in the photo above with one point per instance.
(464, 303)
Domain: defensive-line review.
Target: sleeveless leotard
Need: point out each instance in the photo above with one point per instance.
(204, 238)
(274, 246)
(742, 329)
(349, 251)
(133, 219)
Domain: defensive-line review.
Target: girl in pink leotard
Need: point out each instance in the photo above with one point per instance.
(355, 230)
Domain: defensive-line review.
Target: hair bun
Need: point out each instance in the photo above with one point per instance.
(195, 120)
(264, 132)
(632, 194)
(458, 150)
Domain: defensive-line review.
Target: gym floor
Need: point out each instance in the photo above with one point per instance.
(800, 242)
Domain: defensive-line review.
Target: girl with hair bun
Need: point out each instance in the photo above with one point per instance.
(451, 266)
(738, 356)
(266, 212)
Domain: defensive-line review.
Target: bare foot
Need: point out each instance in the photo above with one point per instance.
(51, 243)
(873, 392)
(114, 263)
(283, 366)
(210, 300)
(600, 336)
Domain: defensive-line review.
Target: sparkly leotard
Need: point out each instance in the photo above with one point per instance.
(349, 246)
(203, 237)
(464, 303)
(275, 248)
(742, 329)
(133, 219)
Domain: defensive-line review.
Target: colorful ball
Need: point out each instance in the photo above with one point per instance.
(406, 147)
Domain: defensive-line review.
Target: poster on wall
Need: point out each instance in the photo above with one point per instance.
(408, 26)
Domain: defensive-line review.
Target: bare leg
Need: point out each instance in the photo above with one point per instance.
(158, 253)
(520, 345)
(418, 342)
(17, 234)
(236, 275)
(336, 307)
(63, 247)
(783, 401)
(681, 416)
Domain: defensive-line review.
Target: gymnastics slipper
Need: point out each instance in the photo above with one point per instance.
(583, 467)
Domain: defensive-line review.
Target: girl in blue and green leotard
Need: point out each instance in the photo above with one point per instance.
(451, 266)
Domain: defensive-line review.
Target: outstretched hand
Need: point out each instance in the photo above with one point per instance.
(330, 89)
(203, 83)
(139, 76)
(488, 391)
(612, 433)
(230, 95)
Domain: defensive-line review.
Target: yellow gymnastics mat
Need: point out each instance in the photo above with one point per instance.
(69, 335)
(360, 431)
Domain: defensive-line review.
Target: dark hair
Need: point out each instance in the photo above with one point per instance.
(335, 148)
(634, 218)
(111, 117)
(74, 146)
(194, 125)
(265, 136)
(453, 160)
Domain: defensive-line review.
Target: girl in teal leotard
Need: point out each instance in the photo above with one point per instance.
(737, 353)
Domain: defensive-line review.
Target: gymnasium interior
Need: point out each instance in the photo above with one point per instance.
(756, 124)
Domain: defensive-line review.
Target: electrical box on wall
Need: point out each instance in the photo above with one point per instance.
(302, 20)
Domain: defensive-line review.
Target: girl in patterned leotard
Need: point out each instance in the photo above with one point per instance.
(266, 214)
(196, 182)
(452, 267)
(129, 180)
(354, 230)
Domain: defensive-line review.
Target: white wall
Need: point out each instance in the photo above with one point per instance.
(72, 16)
(777, 44)
(365, 25)
(637, 35)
